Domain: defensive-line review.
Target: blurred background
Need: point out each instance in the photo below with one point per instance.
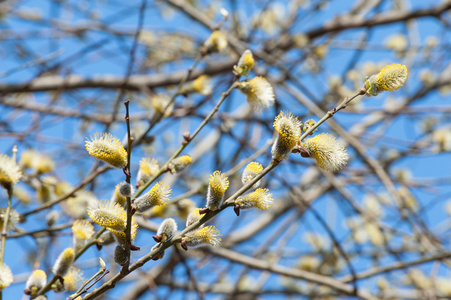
(380, 226)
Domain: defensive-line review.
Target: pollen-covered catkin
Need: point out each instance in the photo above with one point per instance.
(261, 199)
(158, 195)
(180, 163)
(6, 276)
(108, 214)
(73, 279)
(64, 262)
(193, 217)
(208, 235)
(245, 63)
(390, 78)
(259, 93)
(108, 148)
(251, 170)
(36, 281)
(218, 184)
(10, 172)
(148, 168)
(82, 231)
(288, 128)
(328, 152)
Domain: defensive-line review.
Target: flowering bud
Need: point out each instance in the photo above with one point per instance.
(328, 152)
(125, 189)
(9, 171)
(180, 163)
(108, 214)
(261, 199)
(102, 263)
(158, 195)
(64, 262)
(184, 207)
(6, 276)
(167, 229)
(216, 42)
(83, 231)
(193, 217)
(52, 217)
(217, 186)
(251, 170)
(36, 281)
(108, 148)
(258, 91)
(120, 257)
(390, 78)
(245, 63)
(148, 168)
(117, 198)
(288, 128)
(309, 124)
(209, 235)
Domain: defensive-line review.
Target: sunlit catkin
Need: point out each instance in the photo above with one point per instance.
(167, 228)
(73, 279)
(216, 42)
(193, 217)
(259, 93)
(288, 128)
(148, 168)
(82, 231)
(245, 63)
(36, 281)
(251, 170)
(158, 195)
(180, 163)
(120, 234)
(108, 214)
(390, 78)
(108, 148)
(10, 172)
(261, 199)
(209, 235)
(6, 276)
(218, 184)
(64, 262)
(328, 152)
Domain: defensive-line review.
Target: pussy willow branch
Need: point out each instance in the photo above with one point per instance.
(210, 214)
(176, 239)
(128, 241)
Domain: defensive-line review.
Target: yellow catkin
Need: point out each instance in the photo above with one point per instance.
(328, 152)
(108, 148)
